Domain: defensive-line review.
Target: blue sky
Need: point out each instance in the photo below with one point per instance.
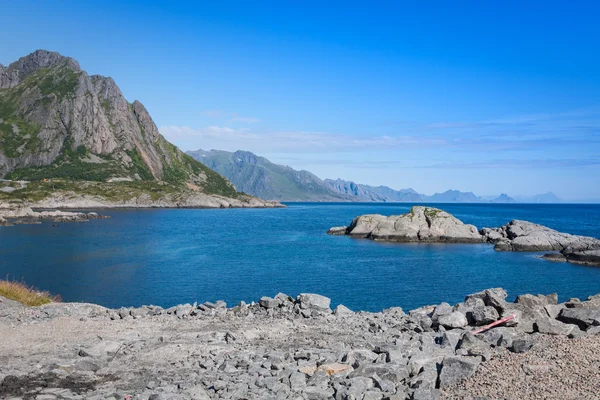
(488, 97)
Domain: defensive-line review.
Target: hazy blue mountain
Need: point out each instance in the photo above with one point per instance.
(503, 198)
(548, 197)
(260, 177)
(454, 196)
(362, 192)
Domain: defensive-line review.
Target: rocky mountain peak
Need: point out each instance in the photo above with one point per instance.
(19, 70)
(56, 121)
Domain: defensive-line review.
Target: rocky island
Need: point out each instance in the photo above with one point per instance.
(286, 347)
(432, 225)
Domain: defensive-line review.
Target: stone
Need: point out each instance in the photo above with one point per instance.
(455, 369)
(483, 316)
(197, 392)
(553, 310)
(268, 302)
(553, 327)
(102, 349)
(425, 394)
(314, 302)
(474, 346)
(521, 345)
(453, 320)
(341, 310)
(390, 371)
(582, 317)
(297, 381)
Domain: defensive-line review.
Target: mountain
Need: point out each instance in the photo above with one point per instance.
(360, 192)
(454, 196)
(259, 177)
(548, 197)
(503, 198)
(58, 122)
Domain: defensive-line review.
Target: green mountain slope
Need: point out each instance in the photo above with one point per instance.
(260, 177)
(58, 122)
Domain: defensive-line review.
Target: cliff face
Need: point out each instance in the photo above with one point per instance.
(56, 121)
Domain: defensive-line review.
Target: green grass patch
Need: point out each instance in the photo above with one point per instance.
(24, 294)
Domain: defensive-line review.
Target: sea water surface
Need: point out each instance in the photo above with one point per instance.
(172, 256)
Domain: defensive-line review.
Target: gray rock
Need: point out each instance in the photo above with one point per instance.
(314, 302)
(390, 371)
(425, 394)
(535, 302)
(421, 224)
(337, 230)
(268, 302)
(483, 316)
(553, 310)
(521, 345)
(455, 369)
(342, 310)
(585, 257)
(453, 320)
(527, 236)
(553, 327)
(582, 317)
(556, 257)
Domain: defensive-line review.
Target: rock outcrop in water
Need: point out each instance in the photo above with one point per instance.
(421, 224)
(281, 348)
(26, 215)
(432, 225)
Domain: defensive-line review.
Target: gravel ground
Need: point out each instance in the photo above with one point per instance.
(556, 368)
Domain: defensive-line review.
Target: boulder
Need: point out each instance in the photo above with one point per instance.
(455, 369)
(521, 345)
(314, 302)
(531, 301)
(483, 316)
(341, 310)
(453, 320)
(490, 297)
(390, 371)
(582, 317)
(553, 327)
(268, 302)
(527, 236)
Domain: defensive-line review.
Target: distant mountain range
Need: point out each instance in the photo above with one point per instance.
(260, 177)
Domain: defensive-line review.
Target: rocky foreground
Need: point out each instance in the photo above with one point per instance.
(298, 348)
(432, 225)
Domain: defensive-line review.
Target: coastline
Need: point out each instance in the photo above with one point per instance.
(292, 348)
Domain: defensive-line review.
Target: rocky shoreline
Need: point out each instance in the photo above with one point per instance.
(298, 348)
(432, 225)
(25, 215)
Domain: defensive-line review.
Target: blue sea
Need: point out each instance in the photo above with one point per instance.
(172, 256)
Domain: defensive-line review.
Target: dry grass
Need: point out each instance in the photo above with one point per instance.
(27, 295)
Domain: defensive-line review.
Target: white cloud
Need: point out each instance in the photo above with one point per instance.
(227, 138)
